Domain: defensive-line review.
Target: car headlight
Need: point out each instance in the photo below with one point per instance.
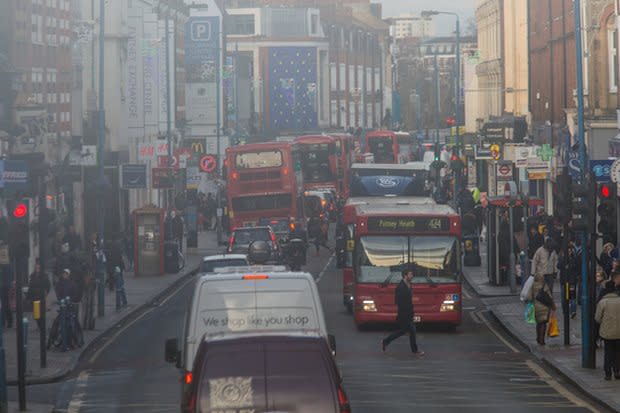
(369, 306)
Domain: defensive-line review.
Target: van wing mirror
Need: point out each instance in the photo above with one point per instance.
(172, 350)
(332, 343)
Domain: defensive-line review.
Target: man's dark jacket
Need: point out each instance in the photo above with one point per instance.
(404, 304)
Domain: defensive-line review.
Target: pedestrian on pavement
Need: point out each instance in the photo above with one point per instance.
(545, 262)
(6, 284)
(38, 289)
(570, 270)
(65, 287)
(605, 260)
(542, 310)
(121, 297)
(405, 315)
(73, 239)
(114, 260)
(608, 316)
(535, 241)
(129, 251)
(211, 208)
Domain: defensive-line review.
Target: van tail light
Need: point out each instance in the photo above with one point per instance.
(343, 400)
(188, 377)
(231, 241)
(273, 240)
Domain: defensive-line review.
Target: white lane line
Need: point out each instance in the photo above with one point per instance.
(567, 394)
(497, 334)
(77, 399)
(474, 316)
(119, 332)
(324, 269)
(466, 294)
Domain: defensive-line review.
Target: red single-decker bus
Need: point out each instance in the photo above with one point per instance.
(425, 237)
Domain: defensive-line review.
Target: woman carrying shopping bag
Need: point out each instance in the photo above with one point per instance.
(540, 295)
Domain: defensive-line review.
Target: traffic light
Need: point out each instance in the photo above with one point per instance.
(437, 152)
(450, 121)
(607, 206)
(583, 206)
(18, 212)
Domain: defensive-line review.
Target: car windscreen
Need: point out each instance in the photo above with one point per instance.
(435, 258)
(245, 237)
(210, 266)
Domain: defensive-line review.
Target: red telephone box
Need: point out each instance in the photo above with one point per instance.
(148, 240)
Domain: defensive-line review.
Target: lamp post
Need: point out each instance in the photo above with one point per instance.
(457, 84)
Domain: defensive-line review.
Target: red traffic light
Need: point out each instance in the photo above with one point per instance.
(450, 121)
(605, 191)
(20, 210)
(454, 157)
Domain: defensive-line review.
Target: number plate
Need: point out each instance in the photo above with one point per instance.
(416, 319)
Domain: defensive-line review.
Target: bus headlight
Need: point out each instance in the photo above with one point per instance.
(450, 303)
(369, 306)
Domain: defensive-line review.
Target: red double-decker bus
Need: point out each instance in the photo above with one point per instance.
(319, 163)
(345, 151)
(383, 144)
(427, 238)
(264, 181)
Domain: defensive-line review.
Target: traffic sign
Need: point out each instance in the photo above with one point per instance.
(208, 163)
(504, 171)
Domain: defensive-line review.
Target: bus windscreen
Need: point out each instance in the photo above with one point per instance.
(435, 258)
(255, 160)
(315, 163)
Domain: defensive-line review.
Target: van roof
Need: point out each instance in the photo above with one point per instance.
(218, 257)
(240, 271)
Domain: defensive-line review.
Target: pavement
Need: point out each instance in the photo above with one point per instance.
(566, 360)
(141, 292)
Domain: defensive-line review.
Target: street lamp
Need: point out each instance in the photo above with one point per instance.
(457, 82)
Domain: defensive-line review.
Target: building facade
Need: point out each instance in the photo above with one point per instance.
(411, 25)
(490, 69)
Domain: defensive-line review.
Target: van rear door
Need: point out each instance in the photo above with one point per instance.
(233, 379)
(300, 378)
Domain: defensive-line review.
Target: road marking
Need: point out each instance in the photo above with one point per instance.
(497, 334)
(324, 269)
(474, 316)
(77, 399)
(469, 308)
(567, 394)
(176, 291)
(118, 333)
(466, 294)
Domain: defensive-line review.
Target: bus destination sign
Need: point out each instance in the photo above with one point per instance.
(405, 224)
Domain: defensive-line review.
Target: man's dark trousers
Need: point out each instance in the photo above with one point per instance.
(408, 328)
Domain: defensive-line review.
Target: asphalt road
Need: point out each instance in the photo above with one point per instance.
(475, 369)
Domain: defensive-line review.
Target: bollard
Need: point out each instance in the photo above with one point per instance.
(25, 347)
(40, 317)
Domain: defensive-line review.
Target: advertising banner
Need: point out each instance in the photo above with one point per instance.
(133, 176)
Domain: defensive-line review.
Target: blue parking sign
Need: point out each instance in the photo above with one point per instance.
(201, 30)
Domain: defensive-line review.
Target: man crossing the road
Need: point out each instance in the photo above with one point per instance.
(405, 315)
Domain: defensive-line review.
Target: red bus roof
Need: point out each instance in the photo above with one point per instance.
(310, 139)
(257, 147)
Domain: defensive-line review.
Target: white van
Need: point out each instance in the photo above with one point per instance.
(247, 301)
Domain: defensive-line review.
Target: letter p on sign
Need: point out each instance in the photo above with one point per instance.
(201, 31)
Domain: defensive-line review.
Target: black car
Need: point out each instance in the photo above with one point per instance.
(241, 238)
(266, 374)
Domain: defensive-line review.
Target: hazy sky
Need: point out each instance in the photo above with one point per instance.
(465, 8)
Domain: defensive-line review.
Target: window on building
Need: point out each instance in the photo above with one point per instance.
(314, 24)
(612, 55)
(242, 24)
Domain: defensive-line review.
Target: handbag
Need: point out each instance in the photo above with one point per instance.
(554, 329)
(527, 287)
(530, 313)
(544, 298)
